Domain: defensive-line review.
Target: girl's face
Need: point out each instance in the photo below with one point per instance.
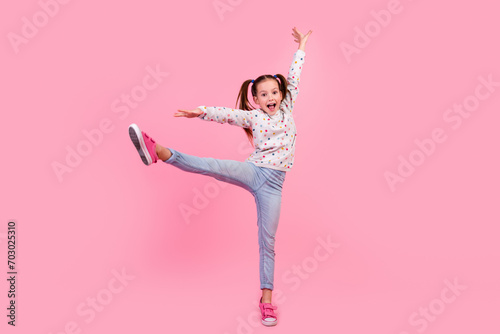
(268, 96)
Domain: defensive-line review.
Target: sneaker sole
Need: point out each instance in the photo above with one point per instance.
(138, 141)
(269, 323)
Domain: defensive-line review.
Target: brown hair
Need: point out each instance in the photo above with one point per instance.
(245, 104)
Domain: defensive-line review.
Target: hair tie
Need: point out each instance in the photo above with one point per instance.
(275, 76)
(252, 80)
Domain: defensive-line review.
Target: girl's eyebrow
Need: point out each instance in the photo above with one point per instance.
(263, 91)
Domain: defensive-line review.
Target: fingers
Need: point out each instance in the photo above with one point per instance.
(181, 113)
(297, 33)
(185, 113)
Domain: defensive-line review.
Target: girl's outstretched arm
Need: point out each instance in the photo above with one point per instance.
(238, 117)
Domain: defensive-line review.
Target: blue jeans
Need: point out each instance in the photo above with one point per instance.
(265, 184)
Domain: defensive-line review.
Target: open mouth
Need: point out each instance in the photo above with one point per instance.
(271, 106)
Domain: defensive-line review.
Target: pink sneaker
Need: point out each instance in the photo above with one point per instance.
(145, 145)
(267, 311)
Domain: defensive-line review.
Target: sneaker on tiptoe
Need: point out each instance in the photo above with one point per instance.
(267, 311)
(145, 145)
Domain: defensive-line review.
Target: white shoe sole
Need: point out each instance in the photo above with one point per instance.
(269, 323)
(138, 141)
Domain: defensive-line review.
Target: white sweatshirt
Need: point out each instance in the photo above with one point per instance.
(273, 136)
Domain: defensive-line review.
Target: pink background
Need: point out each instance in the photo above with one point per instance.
(354, 118)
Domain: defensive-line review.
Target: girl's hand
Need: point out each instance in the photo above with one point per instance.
(300, 37)
(188, 113)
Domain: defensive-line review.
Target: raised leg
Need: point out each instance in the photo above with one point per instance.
(162, 152)
(242, 174)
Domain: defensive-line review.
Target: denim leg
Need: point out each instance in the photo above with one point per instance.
(242, 174)
(268, 200)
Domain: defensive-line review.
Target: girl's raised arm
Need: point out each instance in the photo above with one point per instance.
(295, 70)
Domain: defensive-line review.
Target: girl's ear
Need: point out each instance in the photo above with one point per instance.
(256, 100)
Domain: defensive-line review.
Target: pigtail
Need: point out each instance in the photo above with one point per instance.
(283, 85)
(243, 104)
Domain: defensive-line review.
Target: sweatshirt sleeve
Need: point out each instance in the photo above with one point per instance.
(239, 117)
(293, 80)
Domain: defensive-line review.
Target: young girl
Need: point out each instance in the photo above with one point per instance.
(271, 130)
